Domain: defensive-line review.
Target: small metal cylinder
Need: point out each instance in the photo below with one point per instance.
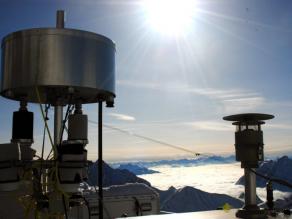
(58, 118)
(22, 126)
(77, 127)
(250, 187)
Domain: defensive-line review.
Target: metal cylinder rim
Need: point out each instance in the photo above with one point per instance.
(248, 117)
(104, 95)
(58, 31)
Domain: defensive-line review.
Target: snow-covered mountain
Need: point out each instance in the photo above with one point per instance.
(136, 169)
(202, 160)
(280, 168)
(189, 199)
(112, 176)
(173, 200)
(165, 194)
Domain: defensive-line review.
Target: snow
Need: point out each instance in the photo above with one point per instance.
(166, 194)
(188, 196)
(136, 169)
(129, 189)
(198, 161)
(113, 176)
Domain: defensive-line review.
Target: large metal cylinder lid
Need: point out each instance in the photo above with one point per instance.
(62, 65)
(248, 117)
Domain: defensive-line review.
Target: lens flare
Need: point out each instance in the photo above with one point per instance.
(171, 17)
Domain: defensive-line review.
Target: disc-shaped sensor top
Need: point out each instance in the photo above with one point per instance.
(248, 117)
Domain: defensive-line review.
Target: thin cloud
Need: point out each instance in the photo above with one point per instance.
(175, 87)
(211, 126)
(243, 104)
(123, 117)
(231, 100)
(226, 94)
(279, 126)
(220, 126)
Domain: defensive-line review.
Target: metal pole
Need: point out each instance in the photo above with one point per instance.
(58, 110)
(60, 21)
(100, 169)
(250, 187)
(58, 118)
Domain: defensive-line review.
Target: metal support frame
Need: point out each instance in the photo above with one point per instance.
(100, 169)
(250, 187)
(250, 209)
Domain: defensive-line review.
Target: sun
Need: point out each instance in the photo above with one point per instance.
(171, 17)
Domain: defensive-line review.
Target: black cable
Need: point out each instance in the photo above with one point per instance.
(43, 144)
(44, 133)
(138, 207)
(49, 154)
(276, 180)
(61, 137)
(88, 207)
(47, 107)
(100, 166)
(151, 139)
(68, 111)
(65, 207)
(106, 211)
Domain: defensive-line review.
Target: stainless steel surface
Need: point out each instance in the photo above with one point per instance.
(65, 64)
(58, 120)
(203, 215)
(60, 21)
(250, 187)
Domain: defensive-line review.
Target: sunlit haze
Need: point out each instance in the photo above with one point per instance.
(181, 65)
(170, 17)
(202, 177)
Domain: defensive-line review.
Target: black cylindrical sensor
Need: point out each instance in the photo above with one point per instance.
(77, 127)
(22, 126)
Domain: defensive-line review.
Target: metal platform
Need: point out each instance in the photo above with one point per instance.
(203, 215)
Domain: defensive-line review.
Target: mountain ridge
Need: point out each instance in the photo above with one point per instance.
(280, 169)
(203, 160)
(136, 169)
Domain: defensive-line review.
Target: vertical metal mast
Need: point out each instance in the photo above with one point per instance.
(58, 108)
(60, 22)
(100, 169)
(250, 187)
(249, 150)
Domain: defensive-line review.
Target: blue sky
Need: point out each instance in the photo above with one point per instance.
(234, 58)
